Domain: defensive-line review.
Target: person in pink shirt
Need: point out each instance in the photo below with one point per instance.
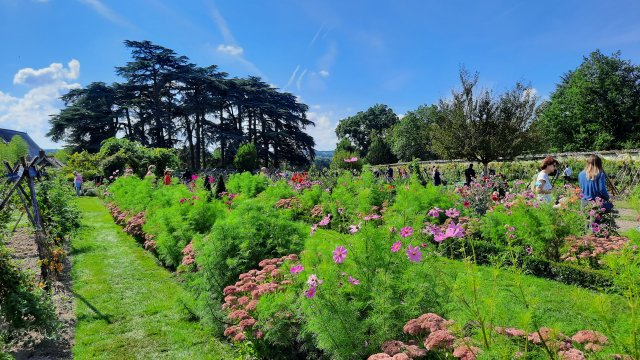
(77, 182)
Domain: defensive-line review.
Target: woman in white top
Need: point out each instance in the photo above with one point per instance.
(543, 183)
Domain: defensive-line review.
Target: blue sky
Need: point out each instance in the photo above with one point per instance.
(339, 57)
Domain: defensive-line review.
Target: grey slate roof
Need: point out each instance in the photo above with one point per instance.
(6, 135)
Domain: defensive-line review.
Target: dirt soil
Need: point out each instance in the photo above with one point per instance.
(34, 346)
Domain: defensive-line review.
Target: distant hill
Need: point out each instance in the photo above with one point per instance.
(324, 154)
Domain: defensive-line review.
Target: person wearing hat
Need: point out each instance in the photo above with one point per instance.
(543, 185)
(167, 176)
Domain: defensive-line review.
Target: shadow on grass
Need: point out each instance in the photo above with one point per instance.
(100, 315)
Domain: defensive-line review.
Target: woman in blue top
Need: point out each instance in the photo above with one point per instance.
(593, 182)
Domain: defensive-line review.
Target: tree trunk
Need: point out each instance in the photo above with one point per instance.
(190, 141)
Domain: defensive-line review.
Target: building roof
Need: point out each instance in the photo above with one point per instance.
(6, 135)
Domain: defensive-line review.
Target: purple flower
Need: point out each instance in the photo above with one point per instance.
(339, 254)
(406, 231)
(431, 229)
(414, 254)
(396, 246)
(182, 200)
(311, 292)
(353, 280)
(529, 250)
(435, 212)
(595, 227)
(296, 269)
(452, 213)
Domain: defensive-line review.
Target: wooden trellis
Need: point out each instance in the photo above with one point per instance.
(20, 180)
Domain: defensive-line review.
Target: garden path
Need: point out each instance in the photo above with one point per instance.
(629, 217)
(127, 305)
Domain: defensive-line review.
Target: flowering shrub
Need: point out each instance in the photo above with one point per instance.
(590, 248)
(237, 243)
(349, 281)
(134, 225)
(542, 230)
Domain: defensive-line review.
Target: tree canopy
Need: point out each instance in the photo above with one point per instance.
(166, 101)
(478, 126)
(411, 138)
(594, 107)
(361, 128)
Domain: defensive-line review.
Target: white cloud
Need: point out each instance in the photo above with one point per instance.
(324, 133)
(323, 73)
(32, 111)
(230, 50)
(106, 12)
(52, 73)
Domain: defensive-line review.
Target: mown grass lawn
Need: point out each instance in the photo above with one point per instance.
(127, 306)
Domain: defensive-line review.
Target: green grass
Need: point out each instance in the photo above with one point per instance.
(127, 306)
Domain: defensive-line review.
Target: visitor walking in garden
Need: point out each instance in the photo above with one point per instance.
(389, 173)
(469, 175)
(77, 183)
(566, 174)
(150, 171)
(437, 181)
(167, 177)
(186, 176)
(543, 185)
(593, 182)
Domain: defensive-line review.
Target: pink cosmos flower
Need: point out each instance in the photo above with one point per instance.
(311, 292)
(314, 228)
(439, 236)
(414, 254)
(353, 280)
(406, 231)
(340, 211)
(435, 212)
(455, 230)
(452, 213)
(297, 268)
(354, 228)
(194, 177)
(431, 229)
(392, 229)
(372, 217)
(396, 246)
(313, 280)
(325, 221)
(339, 254)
